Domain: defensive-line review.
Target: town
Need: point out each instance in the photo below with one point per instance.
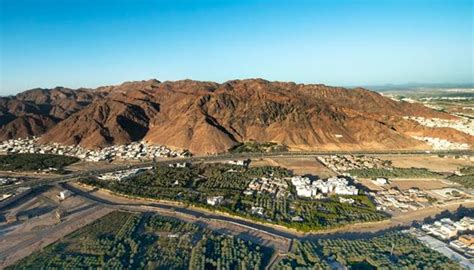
(462, 124)
(442, 144)
(274, 186)
(392, 199)
(134, 151)
(452, 237)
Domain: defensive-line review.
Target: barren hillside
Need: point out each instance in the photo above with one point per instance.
(207, 117)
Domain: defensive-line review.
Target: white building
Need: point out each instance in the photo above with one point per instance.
(346, 190)
(381, 181)
(348, 200)
(306, 191)
(178, 165)
(340, 186)
(303, 186)
(64, 194)
(216, 200)
(244, 162)
(447, 229)
(336, 185)
(257, 210)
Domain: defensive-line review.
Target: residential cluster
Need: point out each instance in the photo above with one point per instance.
(446, 98)
(397, 200)
(341, 163)
(121, 175)
(333, 185)
(462, 124)
(464, 244)
(454, 239)
(458, 232)
(132, 151)
(447, 229)
(273, 186)
(442, 144)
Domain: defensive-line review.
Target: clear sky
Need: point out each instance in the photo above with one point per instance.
(73, 43)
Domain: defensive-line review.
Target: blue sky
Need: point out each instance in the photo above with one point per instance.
(73, 43)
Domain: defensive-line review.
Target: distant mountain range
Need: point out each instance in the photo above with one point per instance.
(208, 117)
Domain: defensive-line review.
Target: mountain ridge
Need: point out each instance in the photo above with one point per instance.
(209, 117)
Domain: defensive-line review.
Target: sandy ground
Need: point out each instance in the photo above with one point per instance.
(21, 238)
(423, 184)
(433, 163)
(90, 166)
(405, 184)
(299, 165)
(369, 184)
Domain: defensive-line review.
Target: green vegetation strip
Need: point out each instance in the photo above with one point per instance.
(131, 241)
(35, 162)
(255, 147)
(194, 184)
(389, 251)
(466, 179)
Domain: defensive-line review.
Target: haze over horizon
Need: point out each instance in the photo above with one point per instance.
(349, 43)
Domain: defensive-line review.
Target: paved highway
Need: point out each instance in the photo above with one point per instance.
(220, 157)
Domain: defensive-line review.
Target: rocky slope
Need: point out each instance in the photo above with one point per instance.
(207, 117)
(35, 111)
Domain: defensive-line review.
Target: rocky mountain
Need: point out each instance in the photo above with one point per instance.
(35, 111)
(207, 117)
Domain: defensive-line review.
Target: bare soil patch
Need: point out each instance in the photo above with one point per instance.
(433, 163)
(299, 165)
(423, 184)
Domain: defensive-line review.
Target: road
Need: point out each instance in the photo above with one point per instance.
(273, 236)
(122, 203)
(350, 231)
(26, 243)
(221, 157)
(277, 237)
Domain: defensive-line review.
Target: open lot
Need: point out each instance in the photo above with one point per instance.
(369, 184)
(432, 163)
(41, 226)
(423, 184)
(299, 165)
